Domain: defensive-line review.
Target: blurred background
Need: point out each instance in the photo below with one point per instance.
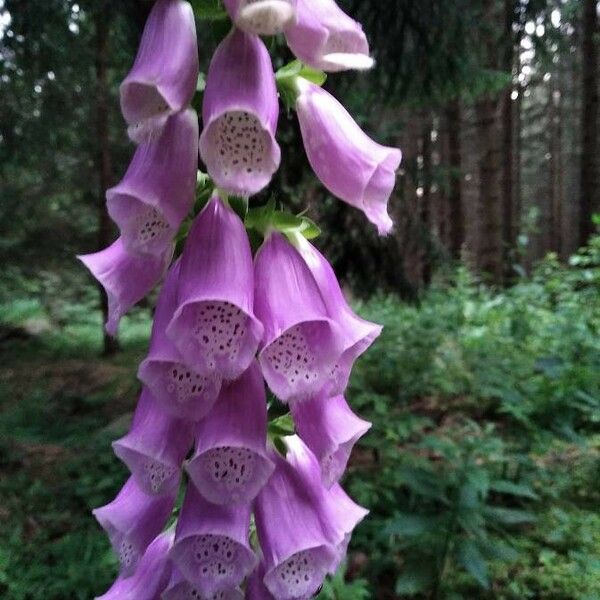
(482, 470)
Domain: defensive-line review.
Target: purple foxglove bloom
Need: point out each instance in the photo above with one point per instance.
(180, 390)
(297, 551)
(158, 190)
(360, 334)
(164, 75)
(330, 429)
(326, 38)
(338, 513)
(255, 587)
(155, 447)
(214, 327)
(261, 17)
(125, 278)
(348, 162)
(181, 589)
(151, 576)
(240, 112)
(301, 343)
(132, 520)
(230, 464)
(211, 544)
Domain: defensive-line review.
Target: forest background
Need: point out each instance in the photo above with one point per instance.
(482, 470)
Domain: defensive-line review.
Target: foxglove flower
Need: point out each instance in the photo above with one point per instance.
(151, 576)
(125, 278)
(338, 513)
(255, 587)
(181, 589)
(214, 327)
(132, 520)
(180, 390)
(348, 162)
(157, 192)
(297, 551)
(330, 429)
(240, 112)
(326, 38)
(261, 17)
(359, 334)
(155, 447)
(230, 464)
(301, 343)
(211, 544)
(164, 75)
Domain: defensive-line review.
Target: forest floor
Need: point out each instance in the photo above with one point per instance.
(447, 440)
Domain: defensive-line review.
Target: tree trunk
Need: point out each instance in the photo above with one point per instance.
(590, 121)
(456, 213)
(490, 253)
(103, 157)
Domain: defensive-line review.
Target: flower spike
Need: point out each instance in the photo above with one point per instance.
(240, 112)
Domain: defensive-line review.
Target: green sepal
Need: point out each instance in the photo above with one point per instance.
(286, 79)
(265, 218)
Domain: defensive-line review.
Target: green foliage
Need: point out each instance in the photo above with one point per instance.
(474, 395)
(481, 471)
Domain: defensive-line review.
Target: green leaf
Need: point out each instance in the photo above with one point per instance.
(508, 516)
(409, 525)
(283, 425)
(514, 489)
(418, 577)
(469, 556)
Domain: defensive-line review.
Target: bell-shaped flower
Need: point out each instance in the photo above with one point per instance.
(164, 75)
(214, 327)
(181, 589)
(261, 17)
(158, 190)
(240, 111)
(151, 576)
(330, 429)
(324, 37)
(211, 548)
(179, 389)
(155, 447)
(132, 520)
(359, 334)
(126, 278)
(255, 587)
(297, 552)
(230, 464)
(348, 162)
(338, 513)
(301, 343)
